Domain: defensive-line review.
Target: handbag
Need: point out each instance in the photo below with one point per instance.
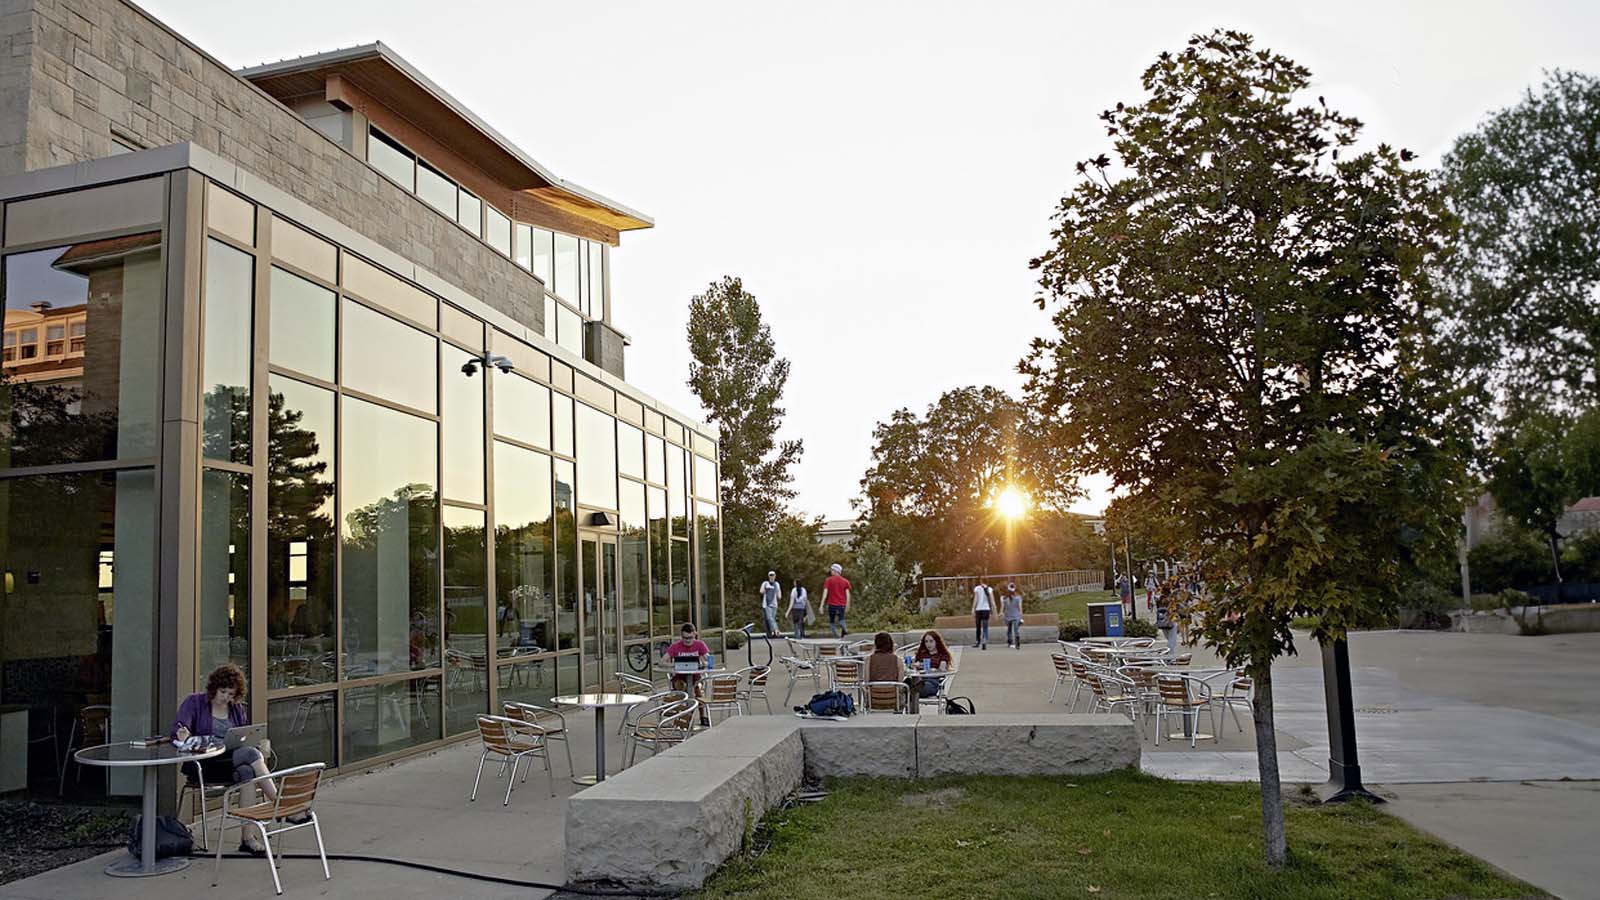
(173, 838)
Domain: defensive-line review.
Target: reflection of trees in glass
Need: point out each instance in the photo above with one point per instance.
(369, 541)
(44, 424)
(226, 434)
(299, 525)
(523, 570)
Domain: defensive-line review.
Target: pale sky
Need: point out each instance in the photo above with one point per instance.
(879, 174)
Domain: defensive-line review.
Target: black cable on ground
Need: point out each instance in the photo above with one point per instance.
(459, 873)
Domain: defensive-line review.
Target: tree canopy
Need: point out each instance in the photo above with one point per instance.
(1524, 283)
(1288, 420)
(739, 377)
(929, 491)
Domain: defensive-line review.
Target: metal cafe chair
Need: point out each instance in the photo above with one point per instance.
(294, 808)
(1184, 697)
(665, 725)
(550, 721)
(722, 694)
(513, 740)
(887, 696)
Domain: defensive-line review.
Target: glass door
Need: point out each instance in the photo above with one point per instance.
(597, 561)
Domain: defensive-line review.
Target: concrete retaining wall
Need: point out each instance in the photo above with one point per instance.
(671, 820)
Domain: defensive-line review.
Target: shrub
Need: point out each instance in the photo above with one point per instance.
(1138, 628)
(735, 639)
(1074, 631)
(1508, 558)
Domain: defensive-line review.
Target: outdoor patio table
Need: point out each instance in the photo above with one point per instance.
(124, 755)
(598, 703)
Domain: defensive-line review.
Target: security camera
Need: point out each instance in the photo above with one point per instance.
(502, 363)
(469, 368)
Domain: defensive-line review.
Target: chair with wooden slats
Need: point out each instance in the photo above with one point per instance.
(513, 740)
(294, 808)
(887, 696)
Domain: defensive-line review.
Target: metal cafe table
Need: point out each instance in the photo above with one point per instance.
(124, 754)
(598, 703)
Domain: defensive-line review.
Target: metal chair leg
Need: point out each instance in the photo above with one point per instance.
(266, 842)
(317, 830)
(481, 758)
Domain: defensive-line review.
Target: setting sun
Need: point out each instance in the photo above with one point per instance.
(1011, 503)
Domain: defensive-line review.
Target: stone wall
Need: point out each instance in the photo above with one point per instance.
(668, 822)
(79, 76)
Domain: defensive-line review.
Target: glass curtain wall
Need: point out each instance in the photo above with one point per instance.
(422, 512)
(78, 549)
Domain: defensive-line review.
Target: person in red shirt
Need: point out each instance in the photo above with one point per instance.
(836, 595)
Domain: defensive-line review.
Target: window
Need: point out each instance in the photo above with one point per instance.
(301, 595)
(227, 313)
(655, 459)
(522, 410)
(597, 458)
(562, 416)
(523, 235)
(566, 268)
(109, 411)
(79, 332)
(387, 359)
(497, 230)
(390, 513)
(390, 158)
(463, 428)
(470, 212)
(541, 255)
(438, 191)
(709, 539)
(596, 269)
(630, 450)
(55, 337)
(224, 569)
(524, 552)
(549, 318)
(302, 325)
(569, 329)
(466, 619)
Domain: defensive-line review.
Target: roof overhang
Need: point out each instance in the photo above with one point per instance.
(383, 75)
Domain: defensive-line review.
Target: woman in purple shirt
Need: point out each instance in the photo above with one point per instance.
(210, 713)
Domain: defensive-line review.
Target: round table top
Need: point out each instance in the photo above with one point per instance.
(590, 701)
(931, 673)
(123, 753)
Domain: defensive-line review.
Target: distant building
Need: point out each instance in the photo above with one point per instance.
(837, 531)
(1483, 519)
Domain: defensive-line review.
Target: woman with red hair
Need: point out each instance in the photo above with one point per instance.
(209, 714)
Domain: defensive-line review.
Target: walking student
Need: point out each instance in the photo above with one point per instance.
(982, 605)
(1011, 611)
(799, 609)
(770, 589)
(836, 596)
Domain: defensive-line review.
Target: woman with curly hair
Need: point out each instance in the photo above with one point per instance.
(210, 713)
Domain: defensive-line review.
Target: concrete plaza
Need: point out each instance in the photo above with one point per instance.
(1472, 737)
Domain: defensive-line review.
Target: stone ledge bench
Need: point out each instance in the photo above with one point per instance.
(668, 822)
(1037, 628)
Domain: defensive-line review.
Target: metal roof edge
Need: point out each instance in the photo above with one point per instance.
(383, 51)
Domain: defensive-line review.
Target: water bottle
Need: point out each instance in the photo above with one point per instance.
(711, 660)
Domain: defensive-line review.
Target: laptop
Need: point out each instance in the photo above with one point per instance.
(685, 665)
(244, 736)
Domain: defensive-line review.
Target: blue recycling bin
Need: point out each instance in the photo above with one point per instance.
(1105, 619)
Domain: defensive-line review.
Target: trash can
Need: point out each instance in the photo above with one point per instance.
(1105, 619)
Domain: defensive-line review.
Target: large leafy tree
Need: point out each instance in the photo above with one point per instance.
(1539, 465)
(929, 492)
(1288, 424)
(739, 377)
(1524, 284)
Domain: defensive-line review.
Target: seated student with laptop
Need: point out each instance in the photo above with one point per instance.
(219, 713)
(688, 655)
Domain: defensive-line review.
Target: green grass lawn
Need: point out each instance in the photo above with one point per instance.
(1075, 607)
(1125, 835)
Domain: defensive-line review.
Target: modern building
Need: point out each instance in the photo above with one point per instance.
(308, 368)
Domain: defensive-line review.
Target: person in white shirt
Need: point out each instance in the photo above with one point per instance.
(770, 591)
(799, 609)
(982, 606)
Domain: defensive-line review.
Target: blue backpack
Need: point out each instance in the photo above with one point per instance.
(831, 703)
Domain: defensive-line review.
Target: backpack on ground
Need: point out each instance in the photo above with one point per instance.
(959, 706)
(831, 703)
(173, 838)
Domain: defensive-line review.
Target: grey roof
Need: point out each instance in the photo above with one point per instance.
(381, 50)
